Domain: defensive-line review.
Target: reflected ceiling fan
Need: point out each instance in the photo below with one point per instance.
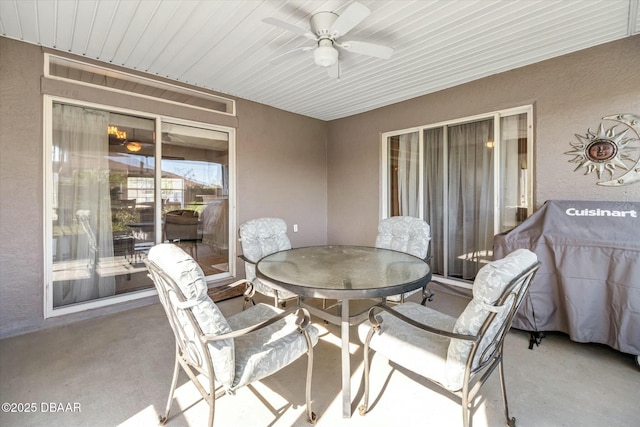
(118, 138)
(326, 29)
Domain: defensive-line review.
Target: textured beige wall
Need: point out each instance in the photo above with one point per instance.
(570, 95)
(281, 171)
(21, 177)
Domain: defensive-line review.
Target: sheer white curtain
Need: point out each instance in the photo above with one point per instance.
(470, 197)
(408, 174)
(82, 217)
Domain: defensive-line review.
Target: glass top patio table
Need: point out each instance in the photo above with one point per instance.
(343, 273)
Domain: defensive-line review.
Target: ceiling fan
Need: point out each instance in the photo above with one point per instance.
(327, 28)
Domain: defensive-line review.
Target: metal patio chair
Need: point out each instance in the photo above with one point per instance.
(234, 351)
(261, 237)
(457, 354)
(404, 234)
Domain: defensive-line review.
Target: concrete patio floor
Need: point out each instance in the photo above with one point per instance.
(116, 371)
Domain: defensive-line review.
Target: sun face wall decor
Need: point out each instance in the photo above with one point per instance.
(607, 150)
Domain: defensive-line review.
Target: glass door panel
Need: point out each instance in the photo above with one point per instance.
(96, 244)
(195, 193)
(403, 172)
(434, 188)
(515, 197)
(470, 198)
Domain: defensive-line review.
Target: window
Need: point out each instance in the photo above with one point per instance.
(469, 179)
(92, 75)
(119, 182)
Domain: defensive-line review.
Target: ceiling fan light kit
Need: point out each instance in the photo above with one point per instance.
(325, 54)
(134, 146)
(326, 28)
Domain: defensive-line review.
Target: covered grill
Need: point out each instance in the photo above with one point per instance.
(589, 283)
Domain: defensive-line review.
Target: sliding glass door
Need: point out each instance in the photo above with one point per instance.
(119, 183)
(468, 179)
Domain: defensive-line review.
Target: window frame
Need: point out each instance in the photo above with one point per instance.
(496, 116)
(48, 101)
(132, 78)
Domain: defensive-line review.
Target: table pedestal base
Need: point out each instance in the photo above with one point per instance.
(345, 321)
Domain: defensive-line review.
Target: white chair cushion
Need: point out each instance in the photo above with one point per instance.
(417, 350)
(264, 352)
(404, 234)
(488, 286)
(263, 236)
(188, 275)
(494, 277)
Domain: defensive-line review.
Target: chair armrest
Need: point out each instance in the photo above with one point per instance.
(377, 321)
(239, 282)
(303, 321)
(245, 259)
(453, 289)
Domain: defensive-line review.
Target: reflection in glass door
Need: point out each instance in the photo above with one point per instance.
(195, 193)
(99, 229)
(108, 204)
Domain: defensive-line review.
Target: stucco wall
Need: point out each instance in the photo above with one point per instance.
(21, 175)
(325, 177)
(570, 94)
(281, 171)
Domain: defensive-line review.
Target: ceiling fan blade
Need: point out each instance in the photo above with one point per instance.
(289, 27)
(352, 16)
(369, 49)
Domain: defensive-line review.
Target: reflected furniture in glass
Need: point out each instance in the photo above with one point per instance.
(457, 354)
(343, 273)
(215, 223)
(127, 171)
(231, 351)
(181, 226)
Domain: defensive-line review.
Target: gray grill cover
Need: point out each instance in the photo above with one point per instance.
(589, 283)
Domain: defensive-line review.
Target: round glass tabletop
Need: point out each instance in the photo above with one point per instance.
(344, 272)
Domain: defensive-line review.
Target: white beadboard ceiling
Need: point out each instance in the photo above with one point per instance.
(225, 46)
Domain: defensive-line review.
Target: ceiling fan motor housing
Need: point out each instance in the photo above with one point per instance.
(322, 22)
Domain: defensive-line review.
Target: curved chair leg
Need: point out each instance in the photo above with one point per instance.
(465, 406)
(211, 400)
(174, 382)
(427, 295)
(365, 406)
(511, 421)
(311, 416)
